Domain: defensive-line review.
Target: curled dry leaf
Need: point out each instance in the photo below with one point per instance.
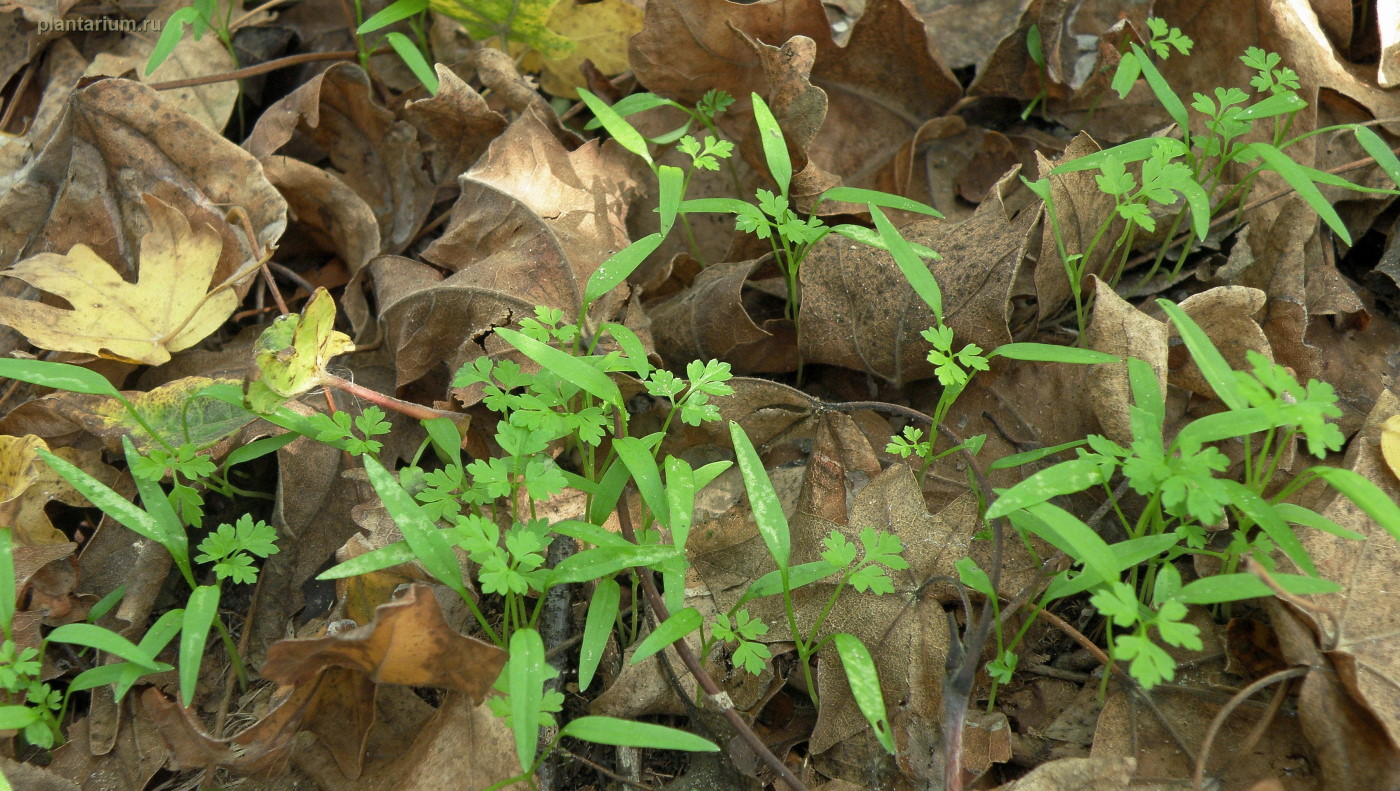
(373, 152)
(408, 643)
(67, 195)
(328, 687)
(170, 307)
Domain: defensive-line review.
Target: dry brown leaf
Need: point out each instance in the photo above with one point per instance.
(1120, 329)
(859, 312)
(373, 152)
(408, 643)
(1361, 643)
(66, 196)
(1227, 316)
(1080, 208)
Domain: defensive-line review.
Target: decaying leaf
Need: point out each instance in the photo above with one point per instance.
(290, 357)
(170, 307)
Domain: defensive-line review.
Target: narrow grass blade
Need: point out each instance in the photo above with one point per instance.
(623, 132)
(413, 58)
(626, 733)
(566, 367)
(767, 510)
(618, 266)
(1050, 353)
(602, 614)
(865, 686)
(203, 606)
(1162, 89)
(774, 145)
(909, 264)
(93, 636)
(1208, 358)
(526, 673)
(877, 198)
(668, 631)
(429, 545)
(1298, 179)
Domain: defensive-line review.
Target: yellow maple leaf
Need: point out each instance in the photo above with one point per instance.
(168, 308)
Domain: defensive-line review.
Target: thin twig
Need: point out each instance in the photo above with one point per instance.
(253, 71)
(1198, 777)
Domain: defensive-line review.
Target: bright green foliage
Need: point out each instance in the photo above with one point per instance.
(1271, 77)
(231, 548)
(32, 706)
(744, 631)
(1186, 489)
(953, 368)
(335, 428)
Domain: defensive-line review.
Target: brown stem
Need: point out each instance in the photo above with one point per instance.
(253, 71)
(416, 411)
(1198, 778)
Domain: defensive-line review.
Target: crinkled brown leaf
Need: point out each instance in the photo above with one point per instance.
(71, 195)
(373, 152)
(408, 643)
(859, 312)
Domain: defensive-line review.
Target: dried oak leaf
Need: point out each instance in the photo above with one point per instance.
(408, 643)
(1354, 652)
(170, 307)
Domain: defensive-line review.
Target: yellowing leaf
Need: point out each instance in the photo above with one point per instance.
(519, 21)
(601, 30)
(291, 355)
(1390, 444)
(169, 307)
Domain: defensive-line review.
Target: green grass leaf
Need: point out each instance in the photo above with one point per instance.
(1162, 89)
(636, 454)
(774, 145)
(203, 606)
(1299, 180)
(865, 686)
(1237, 587)
(1213, 366)
(413, 58)
(1050, 353)
(623, 132)
(564, 366)
(1379, 151)
(670, 181)
(625, 733)
(1066, 532)
(877, 198)
(618, 266)
(1263, 514)
(1365, 494)
(94, 636)
(526, 672)
(397, 11)
(667, 632)
(767, 510)
(598, 562)
(429, 545)
(913, 268)
(602, 613)
(1067, 477)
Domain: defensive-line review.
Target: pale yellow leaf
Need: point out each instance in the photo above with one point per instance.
(1390, 444)
(601, 31)
(169, 307)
